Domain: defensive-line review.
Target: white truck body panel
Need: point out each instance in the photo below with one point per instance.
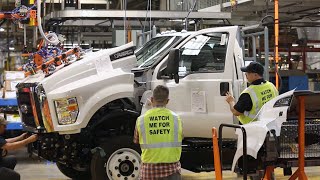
(269, 118)
(93, 87)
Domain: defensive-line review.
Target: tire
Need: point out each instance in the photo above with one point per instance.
(122, 160)
(72, 173)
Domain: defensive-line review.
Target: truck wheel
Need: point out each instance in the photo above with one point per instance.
(120, 162)
(70, 172)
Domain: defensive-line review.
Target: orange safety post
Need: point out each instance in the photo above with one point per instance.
(301, 142)
(268, 173)
(216, 155)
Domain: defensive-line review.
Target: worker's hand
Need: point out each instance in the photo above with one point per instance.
(24, 135)
(229, 98)
(32, 138)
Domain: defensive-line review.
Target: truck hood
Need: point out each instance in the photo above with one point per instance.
(92, 63)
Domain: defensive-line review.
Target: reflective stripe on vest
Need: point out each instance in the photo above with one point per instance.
(256, 105)
(160, 145)
(257, 100)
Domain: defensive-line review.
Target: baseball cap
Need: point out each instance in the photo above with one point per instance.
(254, 67)
(3, 121)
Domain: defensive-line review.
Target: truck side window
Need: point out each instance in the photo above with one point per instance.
(204, 54)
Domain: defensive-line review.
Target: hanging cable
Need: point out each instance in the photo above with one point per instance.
(145, 21)
(124, 20)
(191, 9)
(150, 19)
(51, 37)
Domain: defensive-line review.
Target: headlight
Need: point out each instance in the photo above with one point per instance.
(67, 110)
(283, 102)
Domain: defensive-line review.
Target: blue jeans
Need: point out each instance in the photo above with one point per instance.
(7, 165)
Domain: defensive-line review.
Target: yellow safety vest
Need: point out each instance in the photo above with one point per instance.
(160, 136)
(259, 94)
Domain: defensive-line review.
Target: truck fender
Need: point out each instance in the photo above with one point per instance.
(123, 91)
(90, 99)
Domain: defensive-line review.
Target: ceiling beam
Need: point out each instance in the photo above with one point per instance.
(96, 14)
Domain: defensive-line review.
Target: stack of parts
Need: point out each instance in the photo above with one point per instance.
(11, 79)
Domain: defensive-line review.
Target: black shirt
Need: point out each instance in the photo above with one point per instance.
(2, 143)
(244, 103)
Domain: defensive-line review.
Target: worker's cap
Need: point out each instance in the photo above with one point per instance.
(254, 67)
(3, 121)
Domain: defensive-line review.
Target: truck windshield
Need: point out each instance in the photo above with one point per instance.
(153, 49)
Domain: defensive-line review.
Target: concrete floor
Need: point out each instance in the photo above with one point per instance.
(35, 169)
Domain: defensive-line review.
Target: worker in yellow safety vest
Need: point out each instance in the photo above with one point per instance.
(254, 97)
(159, 133)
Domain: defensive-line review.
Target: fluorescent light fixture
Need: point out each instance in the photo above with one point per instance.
(176, 20)
(295, 45)
(11, 48)
(1, 30)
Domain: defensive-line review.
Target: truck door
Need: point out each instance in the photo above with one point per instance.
(206, 71)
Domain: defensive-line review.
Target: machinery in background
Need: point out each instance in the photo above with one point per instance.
(45, 59)
(49, 60)
(24, 13)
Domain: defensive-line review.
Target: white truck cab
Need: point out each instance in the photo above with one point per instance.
(207, 70)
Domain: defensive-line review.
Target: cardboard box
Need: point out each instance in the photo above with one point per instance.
(10, 85)
(13, 118)
(10, 94)
(14, 75)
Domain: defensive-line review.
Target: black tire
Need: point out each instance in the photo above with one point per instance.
(110, 146)
(72, 173)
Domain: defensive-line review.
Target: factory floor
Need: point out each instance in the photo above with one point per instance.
(36, 169)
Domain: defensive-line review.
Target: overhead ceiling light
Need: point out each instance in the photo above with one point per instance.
(1, 30)
(295, 45)
(11, 48)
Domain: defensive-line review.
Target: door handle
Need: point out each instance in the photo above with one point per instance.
(224, 88)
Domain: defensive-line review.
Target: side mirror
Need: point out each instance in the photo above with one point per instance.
(172, 69)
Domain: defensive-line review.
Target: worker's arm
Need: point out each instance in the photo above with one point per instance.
(231, 102)
(19, 144)
(18, 138)
(234, 111)
(136, 136)
(136, 133)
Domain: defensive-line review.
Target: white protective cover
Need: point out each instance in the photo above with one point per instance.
(268, 119)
